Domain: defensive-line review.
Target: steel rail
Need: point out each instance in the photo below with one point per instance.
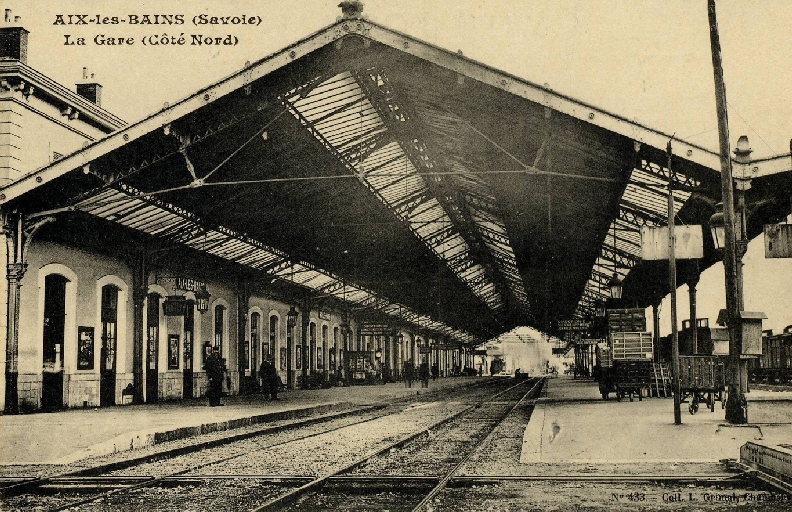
(294, 494)
(450, 474)
(388, 479)
(94, 471)
(152, 481)
(90, 474)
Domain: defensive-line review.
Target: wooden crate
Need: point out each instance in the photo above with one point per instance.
(632, 345)
(626, 320)
(633, 372)
(701, 373)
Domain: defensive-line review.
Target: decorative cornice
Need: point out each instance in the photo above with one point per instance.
(32, 80)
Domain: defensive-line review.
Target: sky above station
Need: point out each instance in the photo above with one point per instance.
(647, 61)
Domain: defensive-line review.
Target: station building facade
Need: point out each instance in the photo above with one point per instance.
(71, 305)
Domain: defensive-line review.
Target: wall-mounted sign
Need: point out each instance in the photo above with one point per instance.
(173, 351)
(373, 329)
(85, 348)
(575, 324)
(324, 314)
(189, 285)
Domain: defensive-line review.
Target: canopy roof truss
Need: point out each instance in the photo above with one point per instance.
(644, 202)
(129, 207)
(357, 117)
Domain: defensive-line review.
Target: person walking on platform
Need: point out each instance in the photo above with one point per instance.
(435, 371)
(409, 371)
(215, 370)
(423, 375)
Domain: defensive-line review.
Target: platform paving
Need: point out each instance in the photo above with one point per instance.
(571, 423)
(66, 436)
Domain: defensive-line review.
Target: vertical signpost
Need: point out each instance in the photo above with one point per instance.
(684, 242)
(673, 286)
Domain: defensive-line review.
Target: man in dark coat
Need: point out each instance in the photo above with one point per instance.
(273, 380)
(409, 370)
(423, 374)
(215, 370)
(264, 374)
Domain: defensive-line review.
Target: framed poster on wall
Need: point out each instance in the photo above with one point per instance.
(173, 351)
(85, 348)
(283, 358)
(298, 356)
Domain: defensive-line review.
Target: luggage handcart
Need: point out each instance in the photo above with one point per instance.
(702, 379)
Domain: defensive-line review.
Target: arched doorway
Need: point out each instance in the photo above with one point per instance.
(152, 350)
(53, 339)
(189, 339)
(109, 334)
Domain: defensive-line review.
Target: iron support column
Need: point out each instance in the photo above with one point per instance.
(139, 291)
(14, 274)
(693, 280)
(656, 329)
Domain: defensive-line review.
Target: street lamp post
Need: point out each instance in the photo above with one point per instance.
(738, 372)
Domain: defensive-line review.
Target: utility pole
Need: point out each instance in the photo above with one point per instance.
(673, 284)
(735, 413)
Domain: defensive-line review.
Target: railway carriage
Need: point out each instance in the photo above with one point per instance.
(774, 366)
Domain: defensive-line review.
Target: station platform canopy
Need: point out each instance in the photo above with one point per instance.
(397, 177)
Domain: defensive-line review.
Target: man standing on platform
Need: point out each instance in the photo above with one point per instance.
(423, 374)
(215, 370)
(408, 373)
(273, 380)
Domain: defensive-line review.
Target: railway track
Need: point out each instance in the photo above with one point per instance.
(104, 484)
(410, 459)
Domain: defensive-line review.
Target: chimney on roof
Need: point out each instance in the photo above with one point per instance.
(13, 40)
(89, 89)
(351, 9)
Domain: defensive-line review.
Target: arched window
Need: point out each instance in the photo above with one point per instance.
(312, 349)
(152, 325)
(334, 353)
(55, 321)
(255, 337)
(219, 328)
(109, 327)
(322, 351)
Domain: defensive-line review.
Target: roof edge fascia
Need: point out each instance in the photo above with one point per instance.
(389, 37)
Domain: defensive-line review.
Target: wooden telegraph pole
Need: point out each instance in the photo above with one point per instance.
(735, 413)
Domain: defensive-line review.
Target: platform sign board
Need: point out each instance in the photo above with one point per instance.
(573, 325)
(375, 329)
(689, 242)
(778, 240)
